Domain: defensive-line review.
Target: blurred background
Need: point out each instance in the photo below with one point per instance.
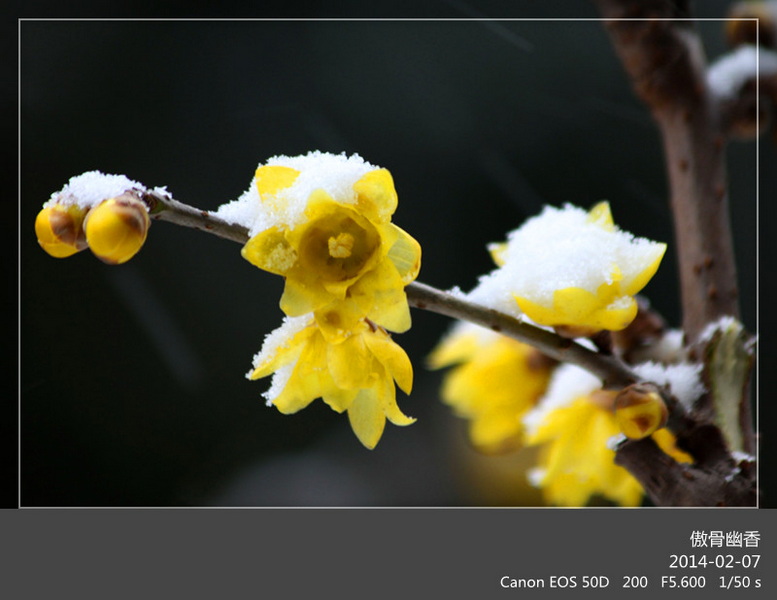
(132, 377)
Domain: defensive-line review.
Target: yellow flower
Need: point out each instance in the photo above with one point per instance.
(569, 268)
(496, 381)
(59, 229)
(339, 250)
(356, 374)
(576, 460)
(623, 271)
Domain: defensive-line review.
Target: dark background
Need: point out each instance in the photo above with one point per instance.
(132, 386)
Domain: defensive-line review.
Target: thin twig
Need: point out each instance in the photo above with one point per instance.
(610, 370)
(613, 372)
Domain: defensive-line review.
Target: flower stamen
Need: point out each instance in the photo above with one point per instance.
(341, 245)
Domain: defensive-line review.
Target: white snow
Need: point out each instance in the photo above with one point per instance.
(562, 248)
(280, 337)
(683, 379)
(91, 188)
(274, 341)
(727, 75)
(613, 441)
(279, 380)
(567, 383)
(725, 323)
(333, 173)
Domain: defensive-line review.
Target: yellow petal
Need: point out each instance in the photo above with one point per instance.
(641, 279)
(617, 315)
(666, 441)
(321, 204)
(302, 297)
(388, 401)
(393, 312)
(579, 307)
(271, 178)
(381, 290)
(297, 394)
(405, 253)
(350, 363)
(338, 399)
(601, 215)
(493, 433)
(376, 196)
(269, 250)
(393, 358)
(308, 378)
(538, 313)
(338, 319)
(454, 348)
(283, 355)
(366, 417)
(498, 252)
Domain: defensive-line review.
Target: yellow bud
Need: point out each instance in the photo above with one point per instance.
(116, 228)
(640, 411)
(59, 230)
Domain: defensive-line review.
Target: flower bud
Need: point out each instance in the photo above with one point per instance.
(640, 410)
(752, 22)
(116, 228)
(59, 230)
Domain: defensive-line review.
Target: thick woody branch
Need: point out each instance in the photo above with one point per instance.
(664, 59)
(666, 64)
(717, 480)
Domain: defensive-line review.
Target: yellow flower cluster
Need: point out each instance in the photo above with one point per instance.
(345, 267)
(575, 271)
(96, 211)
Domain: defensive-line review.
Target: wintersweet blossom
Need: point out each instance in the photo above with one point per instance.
(574, 424)
(355, 374)
(571, 268)
(323, 222)
(495, 381)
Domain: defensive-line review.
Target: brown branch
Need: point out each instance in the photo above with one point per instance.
(612, 372)
(717, 481)
(165, 208)
(664, 59)
(609, 369)
(666, 63)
